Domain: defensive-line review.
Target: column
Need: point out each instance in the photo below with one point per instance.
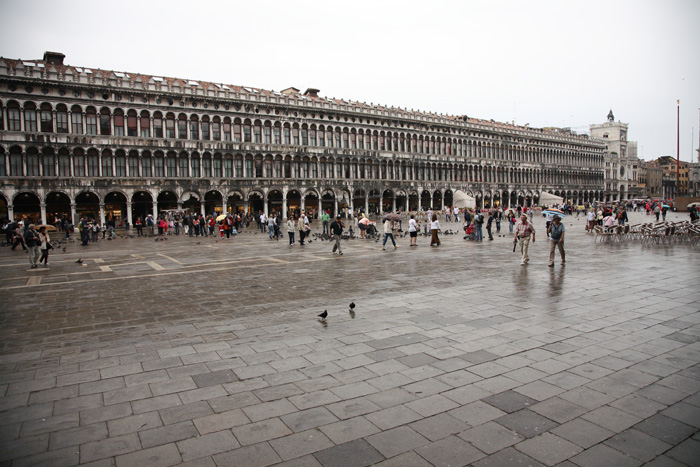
(129, 214)
(320, 206)
(442, 201)
(366, 203)
(284, 208)
(10, 212)
(393, 202)
(42, 208)
(350, 208)
(102, 213)
(155, 210)
(201, 208)
(73, 213)
(245, 207)
(265, 205)
(223, 206)
(335, 206)
(302, 203)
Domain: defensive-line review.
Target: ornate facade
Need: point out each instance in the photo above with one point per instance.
(76, 140)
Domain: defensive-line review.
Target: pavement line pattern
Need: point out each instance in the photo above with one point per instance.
(33, 281)
(170, 258)
(155, 265)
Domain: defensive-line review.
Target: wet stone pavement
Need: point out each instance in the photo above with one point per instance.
(205, 353)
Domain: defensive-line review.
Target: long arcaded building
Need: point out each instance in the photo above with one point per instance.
(76, 140)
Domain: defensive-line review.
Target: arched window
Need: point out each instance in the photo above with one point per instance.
(287, 134)
(267, 133)
(205, 128)
(105, 122)
(120, 163)
(48, 162)
(146, 125)
(206, 165)
(91, 120)
(182, 126)
(158, 165)
(157, 125)
(146, 164)
(195, 165)
(183, 165)
(194, 127)
(93, 162)
(170, 125)
(257, 132)
(46, 118)
(171, 165)
(107, 163)
(14, 122)
(61, 118)
(216, 166)
(76, 120)
(78, 162)
(118, 122)
(132, 123)
(63, 163)
(133, 164)
(16, 169)
(30, 117)
(216, 129)
(237, 130)
(227, 129)
(228, 166)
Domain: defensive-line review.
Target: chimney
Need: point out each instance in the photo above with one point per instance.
(290, 91)
(311, 92)
(54, 58)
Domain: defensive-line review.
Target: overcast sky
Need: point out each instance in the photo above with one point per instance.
(546, 63)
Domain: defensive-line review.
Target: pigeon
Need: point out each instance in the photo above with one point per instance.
(80, 261)
(198, 243)
(352, 305)
(323, 315)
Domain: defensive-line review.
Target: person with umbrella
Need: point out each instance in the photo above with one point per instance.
(556, 240)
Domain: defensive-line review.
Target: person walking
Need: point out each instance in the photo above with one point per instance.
(556, 240)
(497, 217)
(488, 225)
(326, 218)
(389, 228)
(523, 231)
(139, 227)
(271, 225)
(33, 241)
(336, 229)
(45, 246)
(413, 231)
(291, 225)
(434, 230)
(301, 227)
(18, 238)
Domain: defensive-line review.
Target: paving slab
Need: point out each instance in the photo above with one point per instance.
(219, 358)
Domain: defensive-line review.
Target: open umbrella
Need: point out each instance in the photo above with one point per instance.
(554, 212)
(221, 217)
(49, 228)
(392, 216)
(665, 206)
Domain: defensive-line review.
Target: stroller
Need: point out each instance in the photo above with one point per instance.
(371, 229)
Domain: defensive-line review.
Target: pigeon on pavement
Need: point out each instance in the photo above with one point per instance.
(324, 314)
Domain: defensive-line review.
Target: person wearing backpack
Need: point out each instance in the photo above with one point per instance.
(479, 223)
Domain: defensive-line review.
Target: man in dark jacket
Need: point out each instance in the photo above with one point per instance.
(337, 231)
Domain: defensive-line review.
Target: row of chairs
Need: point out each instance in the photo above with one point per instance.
(658, 233)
